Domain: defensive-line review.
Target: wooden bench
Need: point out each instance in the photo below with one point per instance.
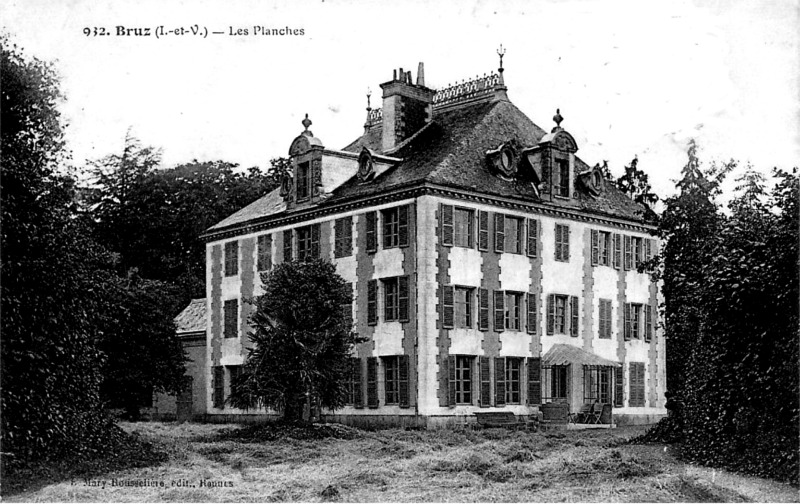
(503, 419)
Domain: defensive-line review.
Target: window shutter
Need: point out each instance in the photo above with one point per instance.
(616, 254)
(403, 298)
(315, 241)
(403, 372)
(338, 231)
(595, 247)
(483, 230)
(264, 253)
(533, 237)
(499, 381)
(448, 292)
(551, 313)
(534, 380)
(486, 382)
(447, 225)
(499, 232)
(483, 309)
(619, 388)
(647, 249)
(628, 252)
(347, 248)
(648, 328)
(558, 242)
(402, 228)
(372, 235)
(372, 382)
(573, 327)
(565, 248)
(287, 245)
(358, 399)
(218, 386)
(372, 302)
(499, 311)
(627, 330)
(451, 389)
(533, 320)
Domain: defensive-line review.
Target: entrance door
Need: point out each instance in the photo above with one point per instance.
(184, 412)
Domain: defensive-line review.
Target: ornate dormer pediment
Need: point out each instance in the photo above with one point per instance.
(591, 180)
(366, 165)
(560, 140)
(504, 159)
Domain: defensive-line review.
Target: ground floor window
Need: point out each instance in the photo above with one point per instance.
(392, 379)
(555, 383)
(597, 384)
(513, 373)
(463, 382)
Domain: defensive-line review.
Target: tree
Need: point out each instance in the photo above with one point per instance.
(301, 341)
(635, 183)
(53, 278)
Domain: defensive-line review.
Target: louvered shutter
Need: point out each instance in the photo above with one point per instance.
(627, 330)
(565, 248)
(534, 380)
(619, 388)
(533, 237)
(558, 242)
(372, 302)
(483, 230)
(338, 242)
(218, 385)
(447, 225)
(315, 241)
(499, 311)
(499, 381)
(617, 258)
(486, 382)
(372, 234)
(402, 227)
(533, 320)
(595, 247)
(499, 232)
(551, 313)
(647, 249)
(648, 324)
(358, 398)
(403, 372)
(372, 382)
(403, 298)
(287, 245)
(628, 252)
(573, 327)
(347, 249)
(451, 389)
(448, 292)
(483, 309)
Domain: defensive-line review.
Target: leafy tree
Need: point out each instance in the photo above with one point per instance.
(301, 341)
(635, 183)
(53, 279)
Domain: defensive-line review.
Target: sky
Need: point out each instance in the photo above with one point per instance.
(630, 78)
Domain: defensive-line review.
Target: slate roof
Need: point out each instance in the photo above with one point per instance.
(561, 355)
(192, 318)
(451, 152)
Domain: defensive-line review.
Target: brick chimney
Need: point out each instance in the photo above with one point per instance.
(407, 107)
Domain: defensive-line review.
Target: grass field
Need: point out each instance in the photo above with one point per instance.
(230, 463)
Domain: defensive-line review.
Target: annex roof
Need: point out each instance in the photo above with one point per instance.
(561, 354)
(193, 318)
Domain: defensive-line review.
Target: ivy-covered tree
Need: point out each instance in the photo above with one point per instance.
(302, 339)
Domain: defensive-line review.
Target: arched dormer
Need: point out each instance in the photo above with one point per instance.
(558, 161)
(305, 154)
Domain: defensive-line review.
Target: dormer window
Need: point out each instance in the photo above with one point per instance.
(303, 181)
(561, 178)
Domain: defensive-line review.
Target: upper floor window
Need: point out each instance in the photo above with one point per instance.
(303, 181)
(343, 229)
(264, 252)
(604, 326)
(391, 298)
(561, 178)
(395, 227)
(308, 242)
(513, 235)
(463, 306)
(463, 224)
(513, 311)
(562, 242)
(562, 314)
(231, 318)
(231, 258)
(601, 248)
(633, 321)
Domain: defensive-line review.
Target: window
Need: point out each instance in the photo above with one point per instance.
(648, 324)
(347, 308)
(463, 379)
(463, 307)
(308, 242)
(287, 245)
(513, 375)
(219, 387)
(303, 181)
(233, 376)
(463, 224)
(561, 182)
(634, 252)
(513, 311)
(231, 258)
(392, 379)
(563, 314)
(391, 228)
(395, 299)
(562, 242)
(601, 248)
(264, 262)
(343, 229)
(554, 383)
(597, 384)
(636, 384)
(513, 235)
(231, 318)
(604, 328)
(354, 384)
(633, 321)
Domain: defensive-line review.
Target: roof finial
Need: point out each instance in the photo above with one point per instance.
(501, 52)
(369, 93)
(306, 123)
(557, 118)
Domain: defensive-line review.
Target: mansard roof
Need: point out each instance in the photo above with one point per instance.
(450, 152)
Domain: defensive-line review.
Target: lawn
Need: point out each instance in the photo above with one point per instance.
(231, 463)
